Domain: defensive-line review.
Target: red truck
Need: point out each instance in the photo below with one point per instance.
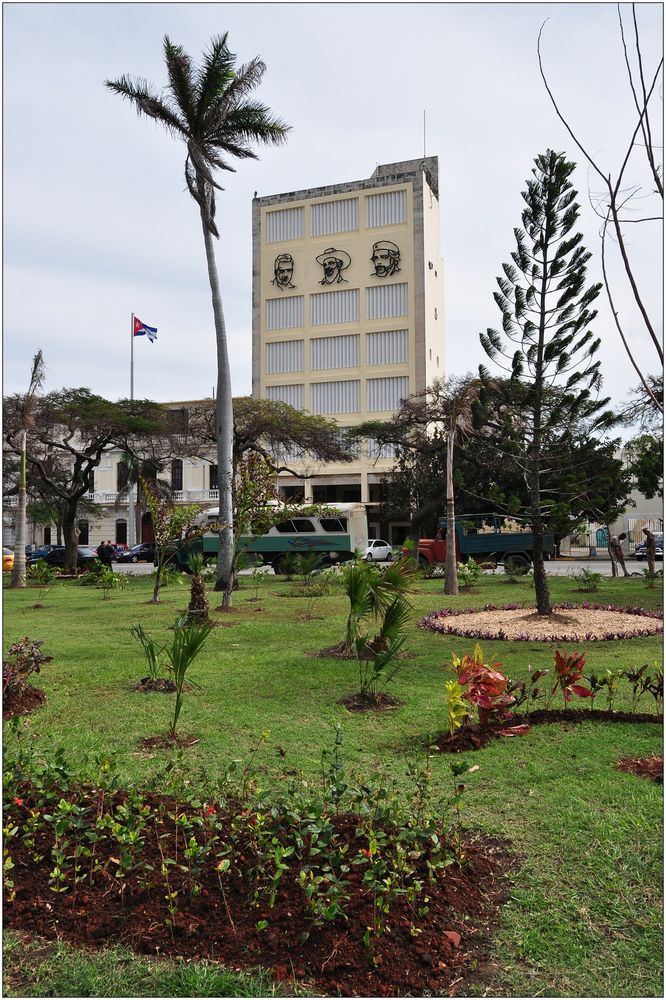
(491, 538)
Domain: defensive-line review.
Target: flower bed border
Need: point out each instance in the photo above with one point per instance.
(431, 622)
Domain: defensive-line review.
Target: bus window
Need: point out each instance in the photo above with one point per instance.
(302, 524)
(285, 527)
(333, 524)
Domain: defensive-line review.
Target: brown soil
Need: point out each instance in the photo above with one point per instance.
(147, 685)
(366, 703)
(29, 699)
(338, 652)
(167, 741)
(471, 736)
(644, 767)
(331, 960)
(564, 624)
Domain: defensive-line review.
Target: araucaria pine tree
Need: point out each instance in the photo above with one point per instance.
(546, 346)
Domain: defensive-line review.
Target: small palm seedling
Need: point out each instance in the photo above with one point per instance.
(187, 642)
(373, 674)
(152, 651)
(197, 609)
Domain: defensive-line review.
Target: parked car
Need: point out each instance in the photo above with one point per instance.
(659, 554)
(86, 558)
(378, 551)
(7, 560)
(119, 548)
(143, 552)
(39, 553)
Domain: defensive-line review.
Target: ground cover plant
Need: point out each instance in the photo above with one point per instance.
(595, 932)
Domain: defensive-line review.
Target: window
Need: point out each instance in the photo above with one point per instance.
(177, 421)
(389, 347)
(387, 393)
(284, 356)
(334, 216)
(121, 531)
(333, 524)
(336, 352)
(385, 301)
(334, 307)
(212, 476)
(285, 527)
(336, 397)
(386, 209)
(291, 394)
(303, 524)
(122, 476)
(282, 314)
(285, 224)
(47, 535)
(177, 474)
(84, 532)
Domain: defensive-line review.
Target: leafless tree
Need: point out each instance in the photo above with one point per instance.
(616, 203)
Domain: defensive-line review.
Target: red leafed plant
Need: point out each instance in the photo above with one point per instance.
(569, 669)
(483, 685)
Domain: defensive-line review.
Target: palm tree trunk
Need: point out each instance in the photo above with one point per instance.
(18, 571)
(224, 429)
(451, 575)
(70, 534)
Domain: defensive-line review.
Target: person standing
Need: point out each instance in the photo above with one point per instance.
(616, 550)
(650, 548)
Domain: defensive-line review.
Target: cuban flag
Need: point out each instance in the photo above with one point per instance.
(141, 329)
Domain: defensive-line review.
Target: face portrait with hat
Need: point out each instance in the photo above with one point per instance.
(334, 263)
(386, 258)
(283, 269)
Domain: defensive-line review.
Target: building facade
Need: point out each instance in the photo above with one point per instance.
(347, 314)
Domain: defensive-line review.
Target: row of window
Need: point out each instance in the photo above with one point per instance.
(369, 447)
(338, 216)
(381, 302)
(344, 395)
(389, 347)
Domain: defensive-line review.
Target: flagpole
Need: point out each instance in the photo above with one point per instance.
(130, 496)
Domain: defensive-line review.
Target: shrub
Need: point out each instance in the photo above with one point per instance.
(588, 581)
(516, 571)
(568, 670)
(469, 573)
(483, 685)
(24, 657)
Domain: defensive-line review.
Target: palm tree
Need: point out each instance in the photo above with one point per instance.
(207, 109)
(28, 415)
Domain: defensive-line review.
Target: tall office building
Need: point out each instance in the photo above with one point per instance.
(347, 313)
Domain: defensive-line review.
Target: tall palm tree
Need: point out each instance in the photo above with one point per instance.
(206, 108)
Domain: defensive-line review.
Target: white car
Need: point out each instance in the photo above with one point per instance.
(378, 551)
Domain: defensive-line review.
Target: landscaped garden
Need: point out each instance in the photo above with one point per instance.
(286, 821)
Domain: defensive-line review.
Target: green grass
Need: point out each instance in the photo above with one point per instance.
(584, 914)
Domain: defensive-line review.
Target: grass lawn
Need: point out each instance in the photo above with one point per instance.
(584, 913)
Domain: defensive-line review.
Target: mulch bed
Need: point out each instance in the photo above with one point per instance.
(332, 960)
(167, 741)
(338, 652)
(149, 685)
(471, 736)
(644, 767)
(27, 701)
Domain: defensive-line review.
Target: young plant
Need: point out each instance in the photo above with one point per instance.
(655, 685)
(197, 609)
(568, 671)
(515, 571)
(373, 673)
(612, 682)
(457, 709)
(43, 575)
(596, 684)
(469, 573)
(636, 678)
(187, 642)
(588, 581)
(108, 581)
(24, 657)
(483, 686)
(458, 768)
(152, 651)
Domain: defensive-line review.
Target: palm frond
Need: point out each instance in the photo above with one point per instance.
(147, 102)
(179, 69)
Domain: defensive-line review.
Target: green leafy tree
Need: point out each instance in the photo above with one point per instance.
(169, 523)
(546, 345)
(207, 108)
(72, 429)
(36, 381)
(645, 462)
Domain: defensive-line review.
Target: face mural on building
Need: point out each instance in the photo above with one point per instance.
(334, 262)
(283, 269)
(386, 258)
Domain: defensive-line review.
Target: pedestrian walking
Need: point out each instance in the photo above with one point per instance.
(617, 552)
(650, 548)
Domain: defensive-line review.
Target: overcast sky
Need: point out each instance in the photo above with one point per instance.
(98, 223)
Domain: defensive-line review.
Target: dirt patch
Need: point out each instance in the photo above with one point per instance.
(338, 652)
(27, 701)
(471, 736)
(167, 741)
(435, 953)
(148, 685)
(366, 703)
(567, 623)
(644, 767)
